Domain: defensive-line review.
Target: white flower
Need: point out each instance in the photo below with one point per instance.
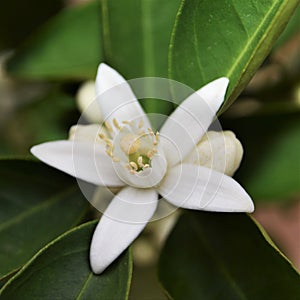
(145, 164)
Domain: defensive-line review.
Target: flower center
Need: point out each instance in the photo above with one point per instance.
(133, 145)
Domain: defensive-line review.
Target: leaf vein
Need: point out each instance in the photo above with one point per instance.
(84, 286)
(18, 218)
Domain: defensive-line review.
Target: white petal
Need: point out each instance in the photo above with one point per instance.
(87, 133)
(86, 161)
(116, 98)
(187, 124)
(196, 187)
(122, 222)
(220, 151)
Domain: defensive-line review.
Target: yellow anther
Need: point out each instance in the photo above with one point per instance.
(127, 123)
(133, 165)
(109, 153)
(138, 144)
(108, 142)
(115, 122)
(157, 135)
(141, 124)
(108, 126)
(151, 131)
(140, 161)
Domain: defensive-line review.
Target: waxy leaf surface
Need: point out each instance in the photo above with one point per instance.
(37, 204)
(231, 38)
(224, 256)
(61, 270)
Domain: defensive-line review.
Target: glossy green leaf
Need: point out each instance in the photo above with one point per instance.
(219, 38)
(291, 29)
(67, 47)
(4, 280)
(224, 256)
(270, 167)
(136, 42)
(37, 203)
(61, 271)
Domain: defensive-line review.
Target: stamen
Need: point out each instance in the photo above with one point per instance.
(151, 131)
(141, 124)
(115, 122)
(155, 142)
(109, 153)
(140, 161)
(133, 165)
(127, 123)
(108, 126)
(108, 142)
(138, 144)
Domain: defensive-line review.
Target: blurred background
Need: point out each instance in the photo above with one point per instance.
(49, 49)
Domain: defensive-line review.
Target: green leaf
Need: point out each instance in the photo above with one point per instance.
(139, 47)
(136, 42)
(291, 29)
(270, 167)
(3, 280)
(231, 38)
(19, 18)
(67, 47)
(224, 256)
(45, 119)
(37, 203)
(61, 271)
